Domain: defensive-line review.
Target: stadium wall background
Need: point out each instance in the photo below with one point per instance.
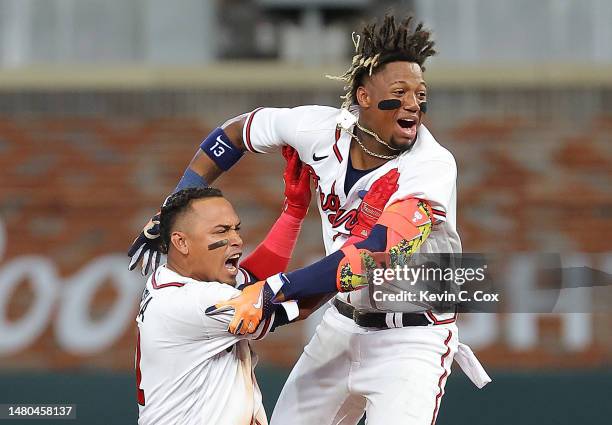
(86, 156)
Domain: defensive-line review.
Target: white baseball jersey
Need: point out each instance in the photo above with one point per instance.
(427, 171)
(398, 375)
(190, 369)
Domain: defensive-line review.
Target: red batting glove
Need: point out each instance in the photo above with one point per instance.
(374, 203)
(297, 184)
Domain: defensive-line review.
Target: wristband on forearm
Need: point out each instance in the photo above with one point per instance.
(221, 150)
(280, 319)
(286, 313)
(190, 179)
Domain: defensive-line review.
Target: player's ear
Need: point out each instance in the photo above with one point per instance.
(362, 96)
(179, 242)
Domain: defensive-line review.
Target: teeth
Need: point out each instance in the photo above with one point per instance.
(404, 123)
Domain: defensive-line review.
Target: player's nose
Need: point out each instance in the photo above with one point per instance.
(410, 102)
(235, 239)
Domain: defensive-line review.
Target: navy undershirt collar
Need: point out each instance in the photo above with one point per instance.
(352, 175)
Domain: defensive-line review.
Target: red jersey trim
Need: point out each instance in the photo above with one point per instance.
(336, 150)
(444, 375)
(164, 285)
(439, 212)
(435, 321)
(439, 215)
(247, 139)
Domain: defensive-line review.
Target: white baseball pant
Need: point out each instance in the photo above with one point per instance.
(394, 375)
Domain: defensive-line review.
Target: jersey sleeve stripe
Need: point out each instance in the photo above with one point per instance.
(247, 131)
(439, 214)
(439, 219)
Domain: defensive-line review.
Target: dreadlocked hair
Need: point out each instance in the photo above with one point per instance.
(388, 43)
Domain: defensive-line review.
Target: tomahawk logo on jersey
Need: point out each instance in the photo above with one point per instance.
(427, 171)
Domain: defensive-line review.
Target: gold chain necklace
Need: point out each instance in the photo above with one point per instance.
(375, 136)
(374, 154)
(366, 150)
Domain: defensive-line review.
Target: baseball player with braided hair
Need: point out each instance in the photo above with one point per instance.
(391, 365)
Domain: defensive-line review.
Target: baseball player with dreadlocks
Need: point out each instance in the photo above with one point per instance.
(392, 365)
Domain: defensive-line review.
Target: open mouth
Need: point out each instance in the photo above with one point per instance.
(231, 264)
(407, 128)
(406, 123)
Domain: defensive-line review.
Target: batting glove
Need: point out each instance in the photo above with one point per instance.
(257, 302)
(373, 203)
(297, 184)
(146, 247)
(250, 307)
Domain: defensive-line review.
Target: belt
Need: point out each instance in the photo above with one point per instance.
(380, 320)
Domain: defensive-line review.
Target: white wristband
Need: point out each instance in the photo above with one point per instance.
(275, 282)
(291, 308)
